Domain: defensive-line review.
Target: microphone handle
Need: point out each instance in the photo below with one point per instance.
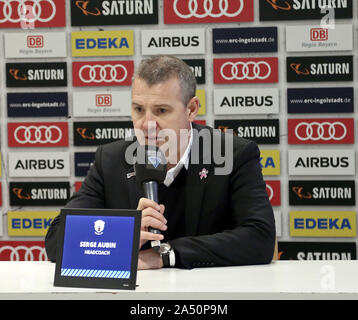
(151, 192)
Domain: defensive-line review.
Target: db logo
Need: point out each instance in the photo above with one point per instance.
(319, 34)
(35, 42)
(103, 100)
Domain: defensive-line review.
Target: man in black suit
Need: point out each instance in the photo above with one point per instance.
(211, 212)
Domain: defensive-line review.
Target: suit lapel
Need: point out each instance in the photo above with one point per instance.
(199, 172)
(135, 192)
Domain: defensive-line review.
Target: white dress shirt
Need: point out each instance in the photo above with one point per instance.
(184, 161)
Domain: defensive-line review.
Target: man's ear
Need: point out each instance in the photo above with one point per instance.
(192, 108)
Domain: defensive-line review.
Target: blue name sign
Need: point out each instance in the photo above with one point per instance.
(99, 248)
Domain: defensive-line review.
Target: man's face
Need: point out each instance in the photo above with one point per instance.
(158, 108)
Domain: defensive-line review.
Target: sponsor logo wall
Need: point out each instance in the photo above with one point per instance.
(262, 70)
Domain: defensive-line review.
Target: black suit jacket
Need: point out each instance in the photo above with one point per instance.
(229, 219)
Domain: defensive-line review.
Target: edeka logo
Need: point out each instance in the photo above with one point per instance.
(321, 131)
(262, 131)
(200, 93)
(32, 14)
(39, 164)
(97, 133)
(273, 189)
(270, 162)
(113, 12)
(38, 45)
(315, 38)
(102, 73)
(277, 10)
(246, 101)
(39, 193)
(323, 224)
(246, 70)
(47, 74)
(37, 134)
(319, 69)
(173, 41)
(320, 100)
(102, 104)
(322, 193)
(39, 104)
(102, 43)
(317, 250)
(208, 11)
(29, 223)
(245, 40)
(22, 251)
(321, 162)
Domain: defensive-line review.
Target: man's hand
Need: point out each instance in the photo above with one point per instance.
(149, 259)
(152, 216)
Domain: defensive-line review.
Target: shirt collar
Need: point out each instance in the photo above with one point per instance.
(184, 161)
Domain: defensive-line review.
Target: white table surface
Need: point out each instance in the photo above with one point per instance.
(278, 280)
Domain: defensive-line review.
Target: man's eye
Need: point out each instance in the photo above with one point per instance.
(138, 109)
(162, 110)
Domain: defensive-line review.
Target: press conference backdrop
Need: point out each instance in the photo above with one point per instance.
(278, 72)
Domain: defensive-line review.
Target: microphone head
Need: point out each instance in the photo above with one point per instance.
(150, 164)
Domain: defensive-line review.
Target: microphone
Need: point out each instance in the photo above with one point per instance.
(150, 169)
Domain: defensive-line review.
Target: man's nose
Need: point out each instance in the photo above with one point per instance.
(150, 124)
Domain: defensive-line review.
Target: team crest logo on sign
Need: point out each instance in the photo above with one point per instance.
(99, 227)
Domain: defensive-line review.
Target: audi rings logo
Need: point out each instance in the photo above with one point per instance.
(107, 73)
(38, 134)
(180, 11)
(318, 131)
(22, 253)
(321, 131)
(273, 190)
(41, 134)
(208, 6)
(44, 12)
(270, 192)
(244, 70)
(98, 73)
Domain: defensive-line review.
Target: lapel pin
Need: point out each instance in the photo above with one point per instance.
(203, 174)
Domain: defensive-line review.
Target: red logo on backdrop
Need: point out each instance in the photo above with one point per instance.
(35, 41)
(246, 70)
(38, 134)
(273, 189)
(206, 11)
(319, 34)
(31, 14)
(103, 100)
(321, 131)
(22, 251)
(201, 122)
(78, 185)
(102, 73)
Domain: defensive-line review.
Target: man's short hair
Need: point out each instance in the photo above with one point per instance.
(162, 68)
